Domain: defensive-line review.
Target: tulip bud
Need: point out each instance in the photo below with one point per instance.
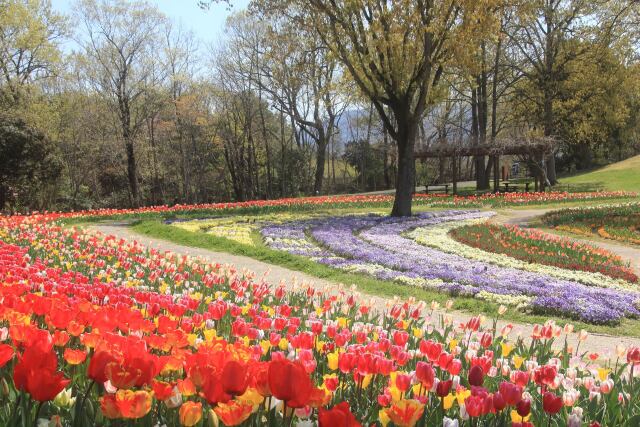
(606, 386)
(523, 407)
(5, 387)
(212, 419)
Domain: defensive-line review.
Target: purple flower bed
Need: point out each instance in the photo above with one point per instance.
(350, 241)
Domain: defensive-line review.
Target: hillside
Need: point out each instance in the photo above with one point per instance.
(623, 175)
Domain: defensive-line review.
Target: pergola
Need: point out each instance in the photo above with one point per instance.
(534, 149)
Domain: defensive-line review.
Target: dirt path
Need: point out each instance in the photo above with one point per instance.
(275, 274)
(524, 218)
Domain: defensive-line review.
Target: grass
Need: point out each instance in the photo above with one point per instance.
(364, 283)
(617, 176)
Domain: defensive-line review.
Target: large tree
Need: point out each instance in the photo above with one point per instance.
(542, 37)
(395, 52)
(120, 41)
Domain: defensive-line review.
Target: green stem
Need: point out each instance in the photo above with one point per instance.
(80, 404)
(38, 408)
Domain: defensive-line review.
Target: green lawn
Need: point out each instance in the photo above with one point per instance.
(623, 175)
(365, 283)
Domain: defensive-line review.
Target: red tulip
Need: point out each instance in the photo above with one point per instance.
(523, 407)
(486, 340)
(473, 405)
(339, 416)
(476, 376)
(520, 378)
(511, 393)
(162, 390)
(97, 366)
(403, 382)
(400, 337)
(551, 403)
(44, 385)
(443, 388)
(499, 402)
(289, 382)
(6, 354)
(425, 374)
(454, 367)
(545, 375)
(234, 378)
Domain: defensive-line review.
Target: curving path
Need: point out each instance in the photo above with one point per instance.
(599, 343)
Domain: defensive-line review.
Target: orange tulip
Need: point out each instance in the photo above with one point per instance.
(126, 404)
(234, 412)
(74, 357)
(190, 413)
(405, 413)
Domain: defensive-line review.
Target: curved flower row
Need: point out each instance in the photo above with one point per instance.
(101, 331)
(615, 222)
(439, 237)
(378, 244)
(345, 201)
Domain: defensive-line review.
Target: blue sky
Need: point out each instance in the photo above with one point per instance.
(207, 24)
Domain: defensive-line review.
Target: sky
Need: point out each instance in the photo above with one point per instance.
(208, 25)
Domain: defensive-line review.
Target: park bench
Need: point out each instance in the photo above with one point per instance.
(438, 188)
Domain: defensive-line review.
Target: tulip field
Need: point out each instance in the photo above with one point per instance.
(97, 330)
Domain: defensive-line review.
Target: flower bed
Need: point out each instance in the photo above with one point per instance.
(438, 236)
(376, 201)
(378, 246)
(617, 222)
(534, 246)
(101, 331)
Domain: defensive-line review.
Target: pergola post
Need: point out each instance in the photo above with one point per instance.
(496, 176)
(415, 175)
(455, 175)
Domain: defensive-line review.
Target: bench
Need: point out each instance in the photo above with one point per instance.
(444, 188)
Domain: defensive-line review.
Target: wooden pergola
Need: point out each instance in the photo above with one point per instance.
(534, 149)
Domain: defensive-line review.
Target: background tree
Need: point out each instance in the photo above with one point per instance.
(27, 162)
(30, 35)
(120, 43)
(395, 53)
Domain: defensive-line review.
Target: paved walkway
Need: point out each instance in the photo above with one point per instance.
(275, 274)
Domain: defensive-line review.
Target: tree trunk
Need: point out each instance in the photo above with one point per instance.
(320, 161)
(3, 198)
(385, 160)
(548, 131)
(405, 140)
(132, 173)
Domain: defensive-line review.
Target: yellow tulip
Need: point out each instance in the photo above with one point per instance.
(506, 348)
(447, 401)
(332, 361)
(192, 339)
(266, 345)
(210, 334)
(383, 418)
(283, 344)
(516, 418)
(462, 395)
(517, 361)
(603, 373)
